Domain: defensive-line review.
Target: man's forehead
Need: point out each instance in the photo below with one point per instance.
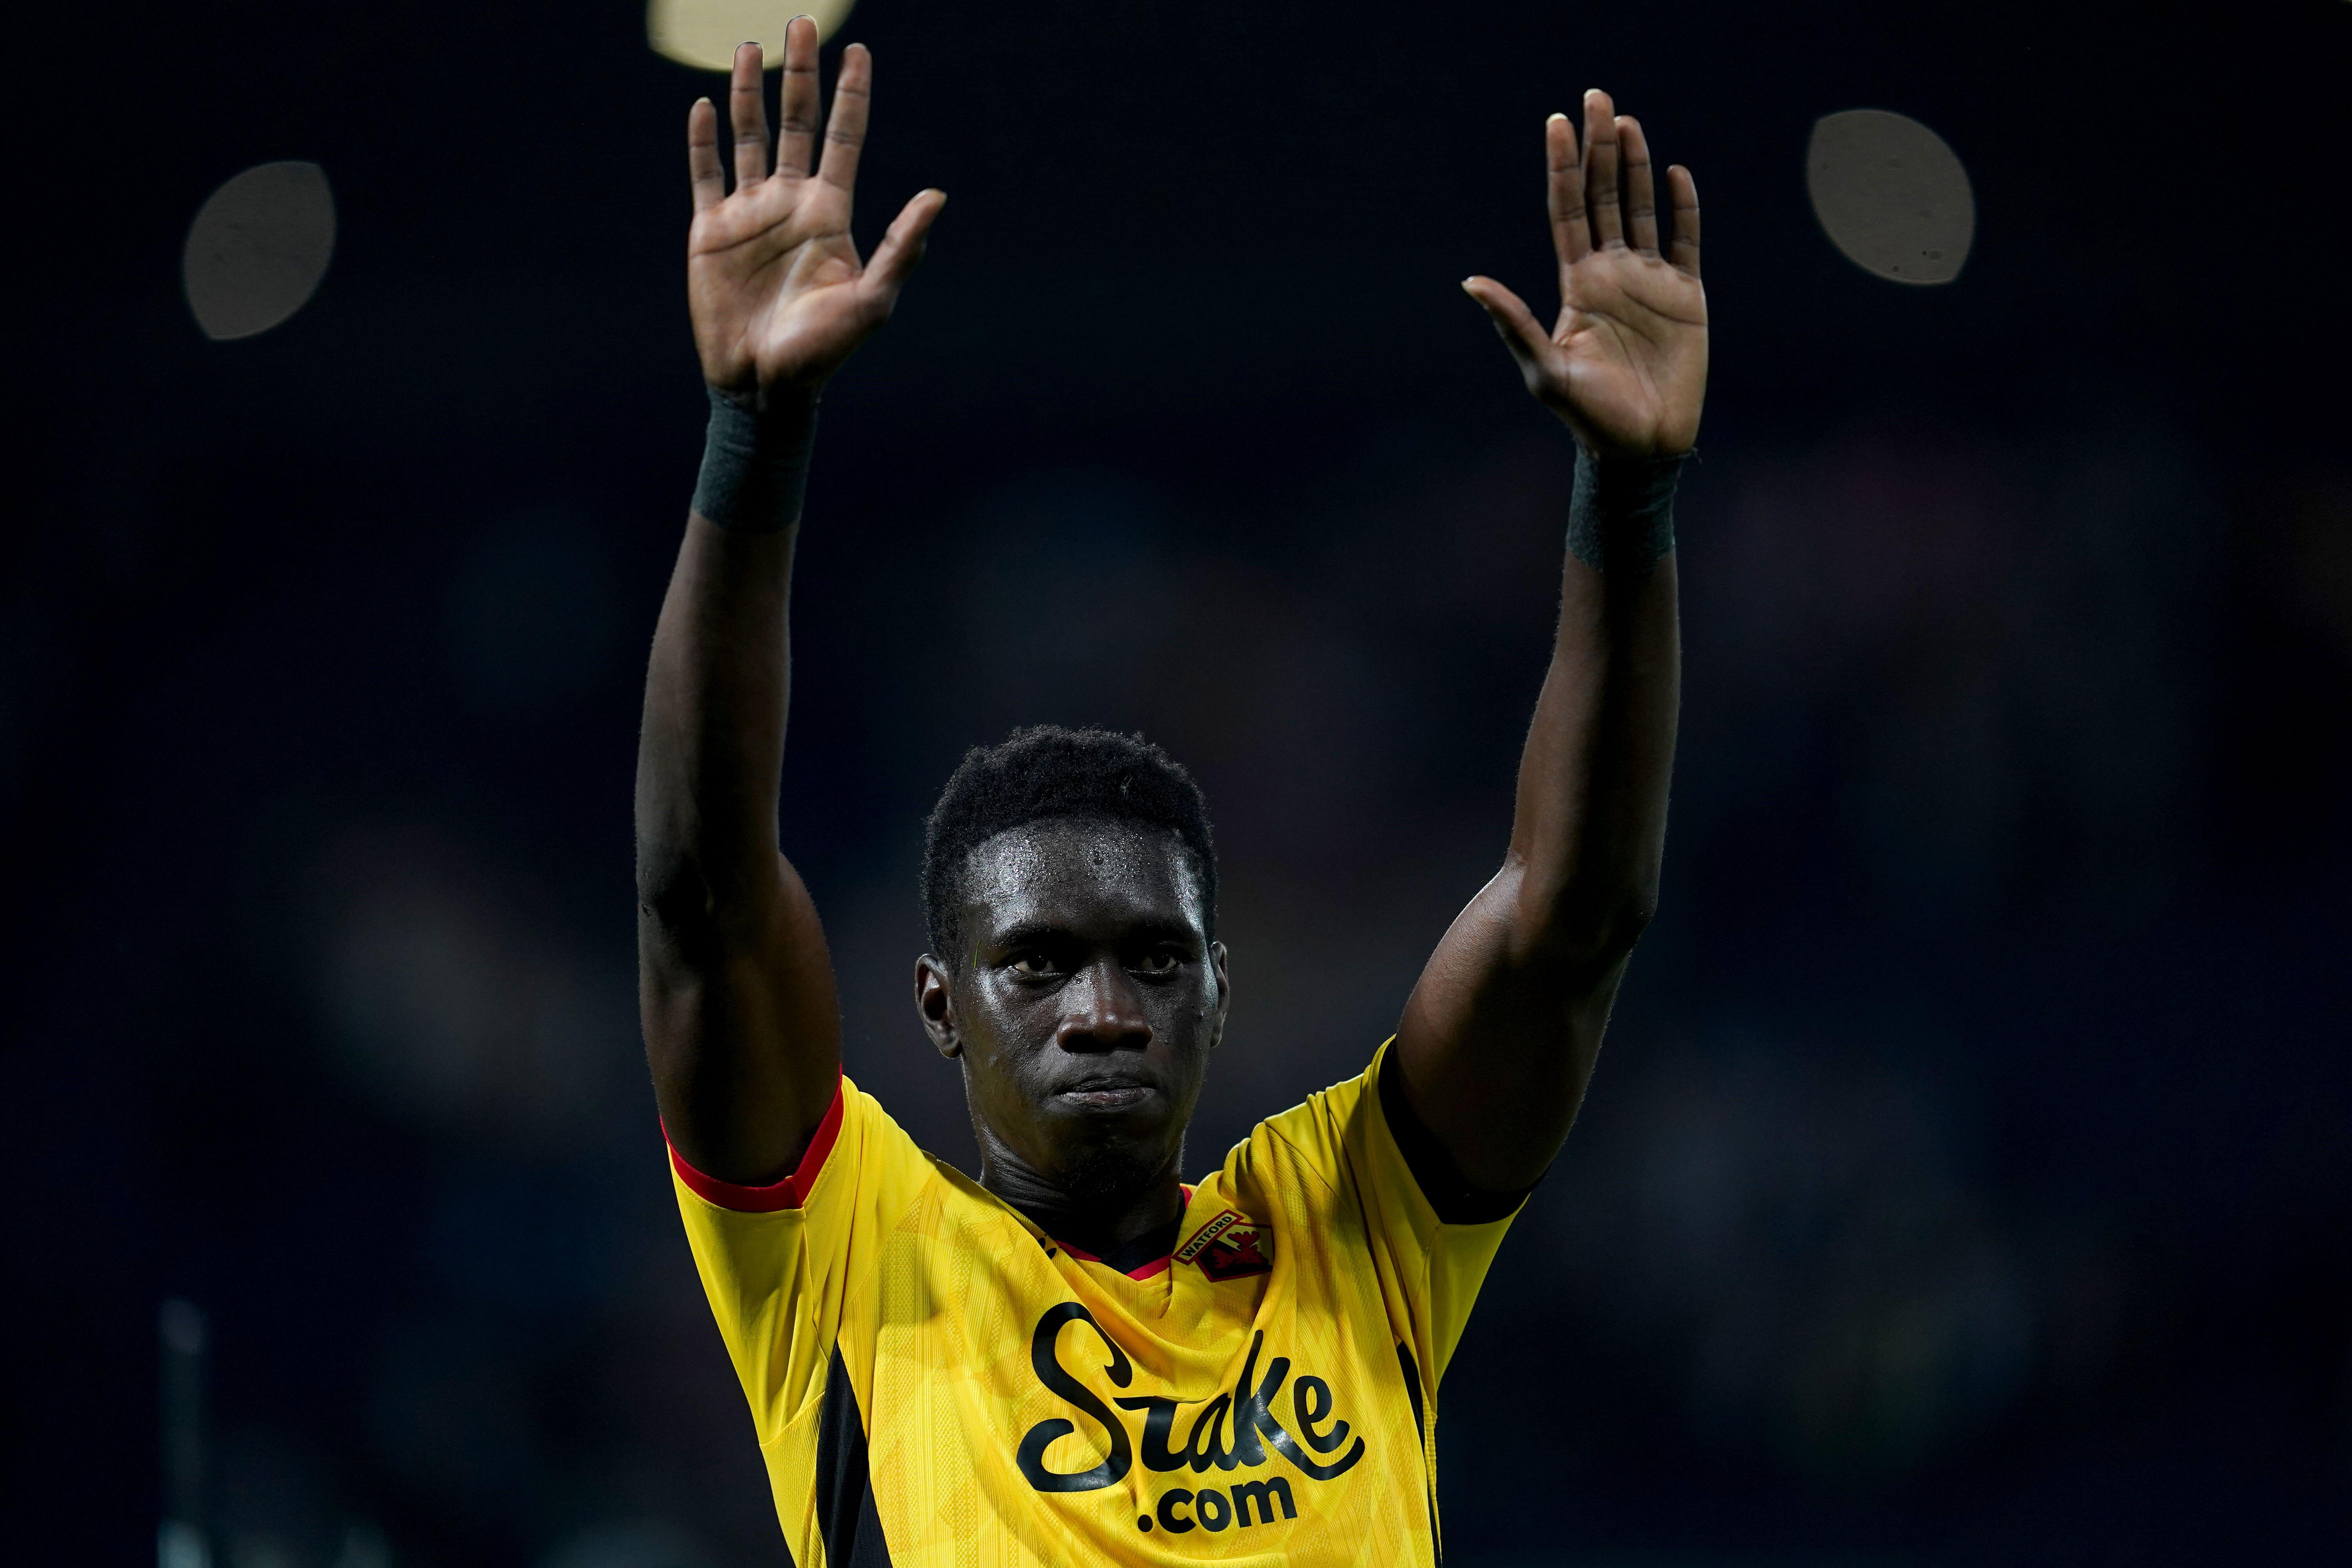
(1060, 869)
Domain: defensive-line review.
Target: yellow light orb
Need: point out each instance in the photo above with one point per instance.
(704, 33)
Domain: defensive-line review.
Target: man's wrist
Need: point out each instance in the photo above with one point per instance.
(755, 458)
(1620, 517)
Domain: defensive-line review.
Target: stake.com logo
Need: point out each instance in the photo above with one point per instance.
(1232, 1431)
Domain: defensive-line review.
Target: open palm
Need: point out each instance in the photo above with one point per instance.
(774, 284)
(1625, 365)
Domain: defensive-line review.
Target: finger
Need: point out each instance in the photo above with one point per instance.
(1571, 237)
(1640, 196)
(1514, 324)
(1601, 170)
(1682, 192)
(796, 149)
(901, 249)
(845, 133)
(747, 111)
(702, 155)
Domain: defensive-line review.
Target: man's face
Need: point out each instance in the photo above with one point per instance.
(1083, 1001)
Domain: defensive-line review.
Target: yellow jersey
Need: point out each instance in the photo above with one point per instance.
(935, 1381)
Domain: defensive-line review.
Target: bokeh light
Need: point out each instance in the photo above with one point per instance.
(259, 248)
(1890, 195)
(705, 33)
(1927, 1205)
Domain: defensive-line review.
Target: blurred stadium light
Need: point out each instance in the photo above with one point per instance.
(705, 33)
(363, 1547)
(1890, 195)
(259, 248)
(179, 1543)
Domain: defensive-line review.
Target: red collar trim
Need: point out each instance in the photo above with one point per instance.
(790, 1193)
(1157, 1265)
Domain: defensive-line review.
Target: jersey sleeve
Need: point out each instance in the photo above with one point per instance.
(787, 1266)
(1430, 1270)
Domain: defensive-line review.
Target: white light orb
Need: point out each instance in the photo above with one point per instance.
(1890, 195)
(259, 248)
(704, 33)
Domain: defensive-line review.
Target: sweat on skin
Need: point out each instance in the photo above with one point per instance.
(939, 1365)
(1082, 1003)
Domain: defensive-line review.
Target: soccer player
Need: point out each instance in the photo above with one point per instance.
(1076, 1357)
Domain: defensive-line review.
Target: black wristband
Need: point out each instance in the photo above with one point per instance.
(1622, 517)
(755, 462)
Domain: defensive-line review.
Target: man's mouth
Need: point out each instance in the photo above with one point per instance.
(1105, 1093)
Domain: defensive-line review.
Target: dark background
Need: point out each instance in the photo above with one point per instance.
(1967, 1178)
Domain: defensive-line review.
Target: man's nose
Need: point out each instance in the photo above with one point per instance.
(1103, 1011)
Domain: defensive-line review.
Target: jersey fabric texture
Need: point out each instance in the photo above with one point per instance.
(935, 1381)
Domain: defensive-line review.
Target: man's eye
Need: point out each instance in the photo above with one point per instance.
(1033, 963)
(1158, 963)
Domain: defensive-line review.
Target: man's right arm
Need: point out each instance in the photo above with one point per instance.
(742, 1028)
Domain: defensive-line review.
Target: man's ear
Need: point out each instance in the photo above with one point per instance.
(1225, 993)
(935, 1000)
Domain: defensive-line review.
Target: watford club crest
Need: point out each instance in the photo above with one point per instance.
(1229, 1247)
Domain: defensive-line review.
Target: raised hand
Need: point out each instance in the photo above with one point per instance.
(1625, 366)
(777, 292)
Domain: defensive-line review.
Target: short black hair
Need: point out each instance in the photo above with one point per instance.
(1046, 771)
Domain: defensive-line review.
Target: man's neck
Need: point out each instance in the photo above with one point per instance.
(1097, 1217)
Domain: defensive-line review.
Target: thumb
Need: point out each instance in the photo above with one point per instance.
(1514, 322)
(902, 248)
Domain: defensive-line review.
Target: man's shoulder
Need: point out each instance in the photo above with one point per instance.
(889, 1161)
(1306, 1144)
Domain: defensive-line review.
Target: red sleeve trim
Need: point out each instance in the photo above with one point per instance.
(788, 1193)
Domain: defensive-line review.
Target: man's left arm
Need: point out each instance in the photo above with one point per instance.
(1499, 1036)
